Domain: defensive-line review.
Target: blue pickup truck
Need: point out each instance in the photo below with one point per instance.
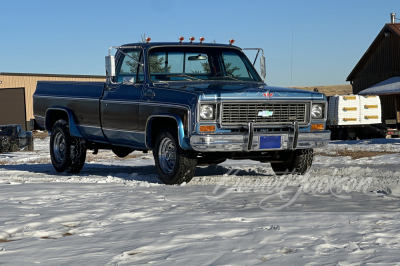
(190, 104)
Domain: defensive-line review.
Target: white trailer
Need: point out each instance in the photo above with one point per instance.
(352, 116)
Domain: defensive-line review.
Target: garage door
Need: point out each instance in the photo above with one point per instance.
(12, 106)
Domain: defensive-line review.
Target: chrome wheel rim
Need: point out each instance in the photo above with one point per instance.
(167, 155)
(59, 147)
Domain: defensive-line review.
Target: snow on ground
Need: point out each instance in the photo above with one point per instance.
(116, 212)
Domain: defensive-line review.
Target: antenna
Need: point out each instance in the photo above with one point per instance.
(291, 63)
(143, 37)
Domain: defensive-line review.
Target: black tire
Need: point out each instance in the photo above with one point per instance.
(14, 147)
(68, 154)
(176, 165)
(4, 145)
(121, 152)
(298, 163)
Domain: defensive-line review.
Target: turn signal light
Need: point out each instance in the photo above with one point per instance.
(207, 128)
(181, 39)
(231, 41)
(201, 40)
(148, 39)
(317, 127)
(192, 39)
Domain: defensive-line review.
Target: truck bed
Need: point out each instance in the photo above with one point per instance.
(82, 98)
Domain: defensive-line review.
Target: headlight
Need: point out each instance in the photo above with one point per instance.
(317, 111)
(207, 112)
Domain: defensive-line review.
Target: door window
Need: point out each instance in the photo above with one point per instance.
(129, 71)
(234, 66)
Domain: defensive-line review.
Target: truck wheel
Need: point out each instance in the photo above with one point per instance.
(67, 153)
(174, 165)
(121, 152)
(14, 147)
(299, 163)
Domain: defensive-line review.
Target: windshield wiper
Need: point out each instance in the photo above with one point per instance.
(187, 76)
(227, 77)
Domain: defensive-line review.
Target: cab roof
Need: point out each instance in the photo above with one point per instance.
(196, 44)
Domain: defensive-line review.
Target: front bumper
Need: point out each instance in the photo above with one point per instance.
(240, 142)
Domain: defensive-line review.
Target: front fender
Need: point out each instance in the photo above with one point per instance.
(71, 120)
(180, 129)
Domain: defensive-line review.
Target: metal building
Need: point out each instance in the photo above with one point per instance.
(16, 90)
(380, 63)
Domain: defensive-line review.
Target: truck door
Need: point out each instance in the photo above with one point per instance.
(119, 106)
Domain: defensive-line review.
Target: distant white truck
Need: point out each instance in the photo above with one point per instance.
(351, 116)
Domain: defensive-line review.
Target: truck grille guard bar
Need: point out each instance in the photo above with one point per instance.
(250, 135)
(296, 134)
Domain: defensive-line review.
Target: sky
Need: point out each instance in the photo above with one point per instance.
(306, 43)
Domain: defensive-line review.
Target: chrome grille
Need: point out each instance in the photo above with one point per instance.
(283, 113)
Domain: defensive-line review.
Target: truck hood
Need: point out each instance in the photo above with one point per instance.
(232, 91)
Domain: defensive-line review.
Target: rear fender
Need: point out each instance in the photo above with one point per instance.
(71, 120)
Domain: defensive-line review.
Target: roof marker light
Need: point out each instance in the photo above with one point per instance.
(181, 39)
(201, 40)
(231, 41)
(148, 39)
(192, 39)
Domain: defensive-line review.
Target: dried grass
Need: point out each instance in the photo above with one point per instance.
(5, 240)
(33, 161)
(47, 237)
(330, 90)
(131, 156)
(133, 253)
(69, 226)
(354, 154)
(40, 135)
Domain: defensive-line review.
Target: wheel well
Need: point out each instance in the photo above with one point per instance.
(155, 126)
(53, 116)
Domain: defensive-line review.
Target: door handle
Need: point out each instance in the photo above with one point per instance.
(111, 88)
(149, 94)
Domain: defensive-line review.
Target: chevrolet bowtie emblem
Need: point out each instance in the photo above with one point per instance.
(265, 113)
(268, 95)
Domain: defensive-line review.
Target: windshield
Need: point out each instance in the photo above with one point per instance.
(200, 64)
(6, 130)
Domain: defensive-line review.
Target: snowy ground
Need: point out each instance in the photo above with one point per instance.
(116, 212)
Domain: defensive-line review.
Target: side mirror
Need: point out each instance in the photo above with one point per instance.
(262, 67)
(110, 66)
